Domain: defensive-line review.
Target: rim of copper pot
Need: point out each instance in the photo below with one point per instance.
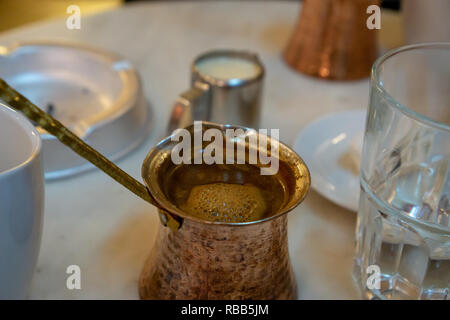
(160, 153)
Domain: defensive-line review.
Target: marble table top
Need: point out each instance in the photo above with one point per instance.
(93, 222)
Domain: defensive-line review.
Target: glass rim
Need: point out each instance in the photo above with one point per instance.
(375, 79)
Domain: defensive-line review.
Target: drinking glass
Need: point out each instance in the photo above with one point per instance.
(402, 234)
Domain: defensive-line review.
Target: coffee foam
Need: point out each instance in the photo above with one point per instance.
(226, 202)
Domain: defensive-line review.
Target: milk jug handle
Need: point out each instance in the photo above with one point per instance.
(190, 105)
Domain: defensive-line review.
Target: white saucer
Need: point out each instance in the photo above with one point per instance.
(322, 145)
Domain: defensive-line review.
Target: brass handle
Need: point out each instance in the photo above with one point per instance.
(67, 137)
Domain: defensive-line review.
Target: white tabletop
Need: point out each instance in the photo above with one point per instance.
(93, 222)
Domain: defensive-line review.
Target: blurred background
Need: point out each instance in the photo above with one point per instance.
(15, 13)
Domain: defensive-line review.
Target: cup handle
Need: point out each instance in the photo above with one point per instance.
(190, 105)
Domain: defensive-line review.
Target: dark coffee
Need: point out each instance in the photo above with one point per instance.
(227, 193)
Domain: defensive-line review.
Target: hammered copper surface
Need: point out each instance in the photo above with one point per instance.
(206, 261)
(203, 259)
(332, 41)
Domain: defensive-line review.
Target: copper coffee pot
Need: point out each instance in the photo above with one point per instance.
(221, 260)
(332, 41)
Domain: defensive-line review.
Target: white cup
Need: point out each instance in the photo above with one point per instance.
(21, 203)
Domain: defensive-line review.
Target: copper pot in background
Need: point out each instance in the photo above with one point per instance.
(332, 41)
